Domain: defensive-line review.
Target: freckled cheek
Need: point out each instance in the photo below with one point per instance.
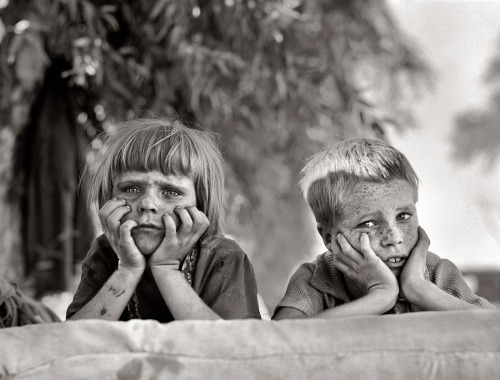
(410, 236)
(161, 207)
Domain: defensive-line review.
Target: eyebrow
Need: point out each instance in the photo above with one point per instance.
(161, 183)
(408, 206)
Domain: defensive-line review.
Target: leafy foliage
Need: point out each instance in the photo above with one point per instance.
(278, 79)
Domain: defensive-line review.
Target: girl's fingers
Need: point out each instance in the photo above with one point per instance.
(185, 218)
(126, 228)
(111, 213)
(110, 206)
(115, 217)
(200, 220)
(170, 227)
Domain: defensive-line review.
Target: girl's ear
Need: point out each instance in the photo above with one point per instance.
(326, 234)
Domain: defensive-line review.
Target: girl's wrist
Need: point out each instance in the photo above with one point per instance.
(134, 271)
(167, 265)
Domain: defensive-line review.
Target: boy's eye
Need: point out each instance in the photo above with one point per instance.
(404, 216)
(367, 224)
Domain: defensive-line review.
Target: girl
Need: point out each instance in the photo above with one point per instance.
(159, 188)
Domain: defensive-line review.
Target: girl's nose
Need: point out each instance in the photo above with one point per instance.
(147, 204)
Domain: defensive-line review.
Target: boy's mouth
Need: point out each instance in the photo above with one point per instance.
(394, 259)
(395, 262)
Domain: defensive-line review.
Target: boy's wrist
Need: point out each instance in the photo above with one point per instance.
(414, 290)
(385, 297)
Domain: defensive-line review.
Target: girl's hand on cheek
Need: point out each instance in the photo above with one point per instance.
(413, 271)
(119, 235)
(178, 242)
(365, 267)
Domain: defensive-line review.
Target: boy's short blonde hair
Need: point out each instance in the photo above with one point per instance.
(331, 175)
(167, 146)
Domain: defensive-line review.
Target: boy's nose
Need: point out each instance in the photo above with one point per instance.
(391, 236)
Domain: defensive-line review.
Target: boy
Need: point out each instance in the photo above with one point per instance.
(158, 185)
(363, 194)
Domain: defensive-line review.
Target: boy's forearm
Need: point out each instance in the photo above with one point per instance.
(112, 298)
(429, 297)
(376, 302)
(181, 299)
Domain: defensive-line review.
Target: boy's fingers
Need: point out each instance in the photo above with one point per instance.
(342, 267)
(423, 238)
(366, 248)
(344, 259)
(420, 249)
(347, 248)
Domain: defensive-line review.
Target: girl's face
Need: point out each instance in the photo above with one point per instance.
(150, 195)
(387, 213)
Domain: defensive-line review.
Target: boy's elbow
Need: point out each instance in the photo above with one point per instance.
(288, 313)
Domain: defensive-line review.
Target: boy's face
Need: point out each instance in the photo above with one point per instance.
(150, 195)
(387, 213)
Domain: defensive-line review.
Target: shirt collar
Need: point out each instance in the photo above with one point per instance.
(327, 279)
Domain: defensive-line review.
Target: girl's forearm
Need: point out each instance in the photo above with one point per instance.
(181, 299)
(112, 298)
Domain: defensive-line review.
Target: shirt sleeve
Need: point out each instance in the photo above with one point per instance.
(300, 294)
(231, 289)
(97, 267)
(449, 278)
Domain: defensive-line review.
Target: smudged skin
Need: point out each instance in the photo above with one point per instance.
(151, 221)
(381, 249)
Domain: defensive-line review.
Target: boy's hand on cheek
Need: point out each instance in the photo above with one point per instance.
(119, 235)
(412, 274)
(365, 267)
(177, 243)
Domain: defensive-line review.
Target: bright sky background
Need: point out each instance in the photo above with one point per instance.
(459, 204)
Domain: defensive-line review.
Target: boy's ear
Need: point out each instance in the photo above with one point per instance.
(326, 234)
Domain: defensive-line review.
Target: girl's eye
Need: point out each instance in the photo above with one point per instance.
(171, 193)
(404, 216)
(367, 224)
(132, 190)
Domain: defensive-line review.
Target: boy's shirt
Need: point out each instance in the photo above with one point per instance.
(318, 286)
(223, 277)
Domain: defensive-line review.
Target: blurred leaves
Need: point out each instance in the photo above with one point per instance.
(278, 79)
(477, 131)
